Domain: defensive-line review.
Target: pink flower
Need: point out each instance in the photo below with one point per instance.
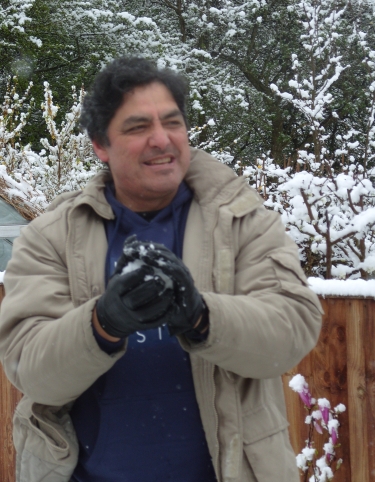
(324, 407)
(333, 427)
(334, 436)
(305, 396)
(325, 414)
(329, 451)
(299, 385)
(318, 428)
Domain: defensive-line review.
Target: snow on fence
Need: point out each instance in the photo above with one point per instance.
(341, 368)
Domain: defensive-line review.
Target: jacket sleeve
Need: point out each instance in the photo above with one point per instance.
(47, 345)
(272, 319)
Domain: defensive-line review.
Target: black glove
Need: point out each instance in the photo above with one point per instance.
(136, 300)
(188, 305)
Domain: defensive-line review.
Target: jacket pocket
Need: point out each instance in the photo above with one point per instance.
(267, 447)
(45, 443)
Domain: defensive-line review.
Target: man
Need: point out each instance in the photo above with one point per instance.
(131, 371)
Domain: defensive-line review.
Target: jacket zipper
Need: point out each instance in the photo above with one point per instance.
(68, 258)
(217, 461)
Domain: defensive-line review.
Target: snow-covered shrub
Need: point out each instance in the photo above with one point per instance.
(13, 188)
(209, 141)
(329, 212)
(66, 161)
(326, 198)
(13, 118)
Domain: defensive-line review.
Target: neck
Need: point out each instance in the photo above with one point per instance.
(144, 204)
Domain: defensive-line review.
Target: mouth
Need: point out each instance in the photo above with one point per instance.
(155, 162)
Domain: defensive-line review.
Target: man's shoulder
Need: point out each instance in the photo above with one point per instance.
(59, 209)
(214, 182)
(53, 223)
(66, 199)
(93, 191)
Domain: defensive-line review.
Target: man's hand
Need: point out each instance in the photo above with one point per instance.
(187, 313)
(136, 300)
(189, 310)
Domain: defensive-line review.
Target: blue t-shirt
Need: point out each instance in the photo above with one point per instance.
(140, 421)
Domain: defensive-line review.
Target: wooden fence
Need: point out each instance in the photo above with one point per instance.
(340, 368)
(9, 398)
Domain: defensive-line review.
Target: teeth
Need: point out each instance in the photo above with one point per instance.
(165, 160)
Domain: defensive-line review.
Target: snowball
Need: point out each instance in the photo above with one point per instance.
(138, 263)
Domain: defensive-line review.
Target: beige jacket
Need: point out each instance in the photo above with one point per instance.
(263, 320)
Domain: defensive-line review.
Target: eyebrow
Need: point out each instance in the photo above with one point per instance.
(135, 119)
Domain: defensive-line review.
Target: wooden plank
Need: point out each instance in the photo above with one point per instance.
(358, 435)
(333, 377)
(9, 397)
(369, 349)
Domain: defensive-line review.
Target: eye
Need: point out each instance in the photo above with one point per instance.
(137, 128)
(174, 123)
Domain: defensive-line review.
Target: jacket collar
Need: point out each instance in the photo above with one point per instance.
(210, 181)
(94, 195)
(215, 183)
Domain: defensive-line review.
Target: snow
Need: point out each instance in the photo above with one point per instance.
(323, 402)
(340, 408)
(356, 288)
(333, 425)
(139, 252)
(132, 266)
(298, 383)
(137, 263)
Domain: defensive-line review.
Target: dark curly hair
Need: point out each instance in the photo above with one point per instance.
(117, 79)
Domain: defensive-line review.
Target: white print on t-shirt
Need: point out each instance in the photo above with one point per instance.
(142, 336)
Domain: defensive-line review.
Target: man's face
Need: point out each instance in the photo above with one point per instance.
(148, 151)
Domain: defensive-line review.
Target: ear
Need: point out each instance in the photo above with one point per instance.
(100, 151)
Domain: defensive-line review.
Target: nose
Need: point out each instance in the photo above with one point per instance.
(159, 137)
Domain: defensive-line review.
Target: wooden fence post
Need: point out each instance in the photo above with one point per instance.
(9, 397)
(358, 434)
